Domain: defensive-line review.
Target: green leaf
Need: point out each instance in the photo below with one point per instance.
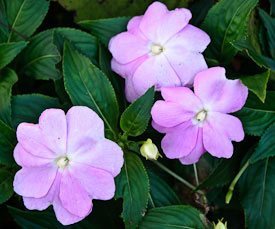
(88, 86)
(105, 29)
(34, 219)
(272, 8)
(257, 84)
(38, 60)
(6, 185)
(8, 51)
(225, 26)
(161, 193)
(8, 78)
(107, 8)
(266, 146)
(133, 186)
(28, 108)
(135, 118)
(7, 144)
(257, 116)
(82, 41)
(177, 216)
(23, 17)
(257, 194)
(269, 24)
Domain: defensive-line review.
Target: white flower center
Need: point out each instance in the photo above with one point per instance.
(62, 162)
(201, 116)
(156, 49)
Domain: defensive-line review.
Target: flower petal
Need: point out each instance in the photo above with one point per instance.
(34, 181)
(159, 128)
(97, 182)
(133, 27)
(180, 140)
(190, 38)
(73, 196)
(25, 159)
(130, 91)
(219, 93)
(186, 64)
(84, 125)
(183, 96)
(196, 153)
(126, 47)
(154, 71)
(105, 154)
(216, 141)
(169, 114)
(32, 140)
(53, 125)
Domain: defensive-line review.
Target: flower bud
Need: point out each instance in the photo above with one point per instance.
(149, 150)
(220, 225)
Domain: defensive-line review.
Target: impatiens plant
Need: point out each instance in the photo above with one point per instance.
(137, 114)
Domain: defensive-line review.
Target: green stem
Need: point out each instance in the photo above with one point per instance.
(229, 194)
(196, 174)
(176, 176)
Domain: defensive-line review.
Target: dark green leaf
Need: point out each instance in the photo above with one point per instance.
(27, 108)
(133, 186)
(225, 26)
(257, 116)
(272, 8)
(38, 60)
(83, 42)
(177, 216)
(34, 219)
(266, 146)
(161, 193)
(8, 78)
(135, 118)
(6, 185)
(7, 144)
(105, 29)
(23, 17)
(8, 51)
(269, 24)
(257, 84)
(88, 86)
(257, 194)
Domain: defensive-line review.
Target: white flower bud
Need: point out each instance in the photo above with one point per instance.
(149, 150)
(220, 225)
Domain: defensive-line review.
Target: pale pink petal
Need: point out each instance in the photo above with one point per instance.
(84, 125)
(169, 114)
(219, 93)
(97, 182)
(190, 38)
(105, 154)
(32, 140)
(130, 91)
(45, 201)
(127, 70)
(152, 19)
(172, 23)
(53, 125)
(126, 47)
(73, 196)
(186, 64)
(227, 124)
(154, 71)
(180, 140)
(216, 142)
(64, 216)
(133, 27)
(159, 128)
(25, 159)
(196, 153)
(183, 96)
(34, 181)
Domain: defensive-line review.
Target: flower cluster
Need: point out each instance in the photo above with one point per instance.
(160, 48)
(66, 163)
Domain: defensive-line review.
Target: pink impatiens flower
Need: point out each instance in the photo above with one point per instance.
(159, 48)
(196, 122)
(66, 162)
